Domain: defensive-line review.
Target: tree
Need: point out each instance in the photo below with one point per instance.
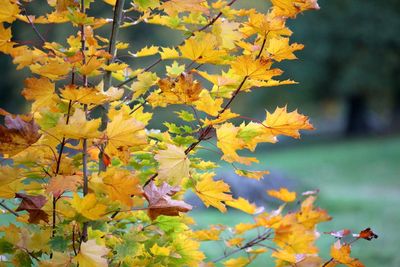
(96, 187)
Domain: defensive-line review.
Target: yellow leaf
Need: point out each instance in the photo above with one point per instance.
(78, 127)
(291, 8)
(5, 39)
(239, 262)
(280, 49)
(283, 194)
(123, 132)
(283, 123)
(244, 227)
(23, 56)
(288, 256)
(341, 254)
(201, 48)
(160, 251)
(242, 204)
(212, 193)
(84, 95)
(92, 65)
(9, 10)
(229, 143)
(146, 51)
(236, 241)
(88, 206)
(208, 234)
(59, 259)
(169, 53)
(174, 164)
(207, 104)
(257, 175)
(41, 90)
(120, 185)
(256, 69)
(92, 255)
(224, 116)
(173, 7)
(110, 2)
(54, 69)
(144, 81)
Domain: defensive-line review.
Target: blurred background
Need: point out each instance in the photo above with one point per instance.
(349, 84)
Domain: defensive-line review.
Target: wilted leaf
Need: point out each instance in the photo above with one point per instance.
(33, 205)
(161, 203)
(17, 135)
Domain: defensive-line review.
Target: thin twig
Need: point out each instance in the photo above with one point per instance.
(8, 209)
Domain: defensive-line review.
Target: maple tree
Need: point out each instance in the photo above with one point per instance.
(96, 187)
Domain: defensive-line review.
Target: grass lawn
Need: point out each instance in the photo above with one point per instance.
(360, 187)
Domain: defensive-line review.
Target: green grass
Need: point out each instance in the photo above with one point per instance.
(360, 187)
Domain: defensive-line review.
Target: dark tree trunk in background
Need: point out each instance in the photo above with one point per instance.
(357, 115)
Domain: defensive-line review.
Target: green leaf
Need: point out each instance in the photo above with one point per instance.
(6, 247)
(186, 116)
(58, 243)
(170, 224)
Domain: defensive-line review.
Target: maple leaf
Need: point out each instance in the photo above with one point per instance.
(5, 39)
(283, 194)
(291, 8)
(160, 251)
(9, 10)
(201, 48)
(341, 254)
(238, 262)
(54, 68)
(173, 7)
(88, 206)
(33, 205)
(61, 183)
(17, 134)
(208, 234)
(174, 164)
(84, 95)
(10, 181)
(161, 203)
(122, 133)
(41, 90)
(146, 51)
(207, 104)
(256, 69)
(213, 193)
(280, 49)
(91, 254)
(281, 122)
(257, 175)
(183, 90)
(243, 205)
(121, 185)
(229, 143)
(78, 126)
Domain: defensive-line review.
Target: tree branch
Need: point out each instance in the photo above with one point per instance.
(118, 12)
(8, 209)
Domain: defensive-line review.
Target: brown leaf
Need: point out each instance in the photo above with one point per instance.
(33, 205)
(161, 203)
(17, 134)
(367, 234)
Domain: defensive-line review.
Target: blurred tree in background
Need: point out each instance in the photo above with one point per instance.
(351, 72)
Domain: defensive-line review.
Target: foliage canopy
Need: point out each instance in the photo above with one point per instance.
(96, 187)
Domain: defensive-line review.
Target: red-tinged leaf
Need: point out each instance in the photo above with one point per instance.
(17, 134)
(367, 234)
(340, 233)
(33, 205)
(161, 203)
(106, 159)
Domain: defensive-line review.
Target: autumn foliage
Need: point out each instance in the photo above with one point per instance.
(90, 184)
